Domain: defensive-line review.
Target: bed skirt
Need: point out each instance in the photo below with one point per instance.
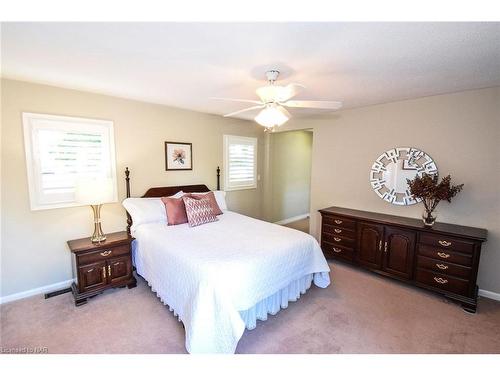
(274, 303)
(269, 305)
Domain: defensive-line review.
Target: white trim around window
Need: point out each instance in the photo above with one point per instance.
(60, 150)
(240, 162)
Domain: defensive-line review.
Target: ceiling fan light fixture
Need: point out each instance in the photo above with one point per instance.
(272, 116)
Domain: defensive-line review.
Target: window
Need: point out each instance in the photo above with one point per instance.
(61, 150)
(240, 162)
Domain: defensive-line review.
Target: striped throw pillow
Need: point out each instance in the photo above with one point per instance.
(199, 211)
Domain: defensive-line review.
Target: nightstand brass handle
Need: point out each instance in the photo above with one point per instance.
(443, 255)
(336, 239)
(441, 266)
(106, 253)
(440, 280)
(337, 230)
(338, 221)
(104, 273)
(109, 271)
(337, 250)
(444, 243)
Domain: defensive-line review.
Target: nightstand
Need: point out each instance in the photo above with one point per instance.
(100, 266)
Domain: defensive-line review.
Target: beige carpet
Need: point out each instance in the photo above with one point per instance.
(302, 225)
(359, 313)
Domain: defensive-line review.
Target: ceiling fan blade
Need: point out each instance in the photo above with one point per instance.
(284, 111)
(289, 91)
(238, 100)
(320, 104)
(245, 110)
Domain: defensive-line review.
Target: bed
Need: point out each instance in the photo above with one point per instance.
(220, 278)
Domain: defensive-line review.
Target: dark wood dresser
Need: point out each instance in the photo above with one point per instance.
(100, 266)
(443, 259)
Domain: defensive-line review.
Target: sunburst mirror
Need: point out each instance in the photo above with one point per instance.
(391, 170)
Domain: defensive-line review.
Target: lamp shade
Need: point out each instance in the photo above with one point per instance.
(94, 191)
(272, 116)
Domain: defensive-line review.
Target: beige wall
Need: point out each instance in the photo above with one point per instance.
(460, 131)
(34, 252)
(290, 174)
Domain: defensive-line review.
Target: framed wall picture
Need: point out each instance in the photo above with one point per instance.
(178, 156)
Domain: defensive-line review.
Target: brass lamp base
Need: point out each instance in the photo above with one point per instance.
(98, 235)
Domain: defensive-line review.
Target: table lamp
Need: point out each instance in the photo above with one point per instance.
(95, 192)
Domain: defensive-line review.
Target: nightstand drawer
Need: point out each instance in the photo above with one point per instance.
(103, 254)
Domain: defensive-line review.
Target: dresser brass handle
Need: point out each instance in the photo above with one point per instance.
(337, 239)
(441, 266)
(337, 230)
(443, 255)
(109, 271)
(338, 221)
(444, 243)
(385, 247)
(106, 253)
(440, 280)
(90, 270)
(337, 250)
(380, 245)
(104, 273)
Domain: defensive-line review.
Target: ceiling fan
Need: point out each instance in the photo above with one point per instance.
(274, 99)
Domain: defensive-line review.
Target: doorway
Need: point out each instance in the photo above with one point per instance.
(290, 167)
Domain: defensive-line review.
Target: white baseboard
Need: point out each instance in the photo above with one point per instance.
(490, 295)
(292, 219)
(34, 292)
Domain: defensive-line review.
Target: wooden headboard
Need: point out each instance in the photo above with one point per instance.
(165, 191)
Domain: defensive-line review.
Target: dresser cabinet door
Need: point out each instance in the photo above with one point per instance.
(119, 269)
(92, 276)
(399, 251)
(370, 238)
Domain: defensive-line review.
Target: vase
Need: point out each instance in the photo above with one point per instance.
(429, 218)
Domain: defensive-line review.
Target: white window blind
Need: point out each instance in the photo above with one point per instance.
(61, 150)
(240, 162)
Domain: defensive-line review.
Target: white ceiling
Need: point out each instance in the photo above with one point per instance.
(183, 64)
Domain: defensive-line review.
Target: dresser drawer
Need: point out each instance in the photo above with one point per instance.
(443, 267)
(339, 222)
(104, 254)
(339, 231)
(444, 282)
(445, 255)
(447, 243)
(335, 251)
(338, 240)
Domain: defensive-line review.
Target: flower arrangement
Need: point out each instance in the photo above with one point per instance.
(427, 188)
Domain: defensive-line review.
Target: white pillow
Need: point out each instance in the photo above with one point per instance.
(147, 210)
(220, 198)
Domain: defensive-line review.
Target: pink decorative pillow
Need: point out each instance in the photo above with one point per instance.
(198, 211)
(176, 211)
(213, 202)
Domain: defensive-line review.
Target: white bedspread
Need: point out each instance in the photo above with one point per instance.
(207, 274)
